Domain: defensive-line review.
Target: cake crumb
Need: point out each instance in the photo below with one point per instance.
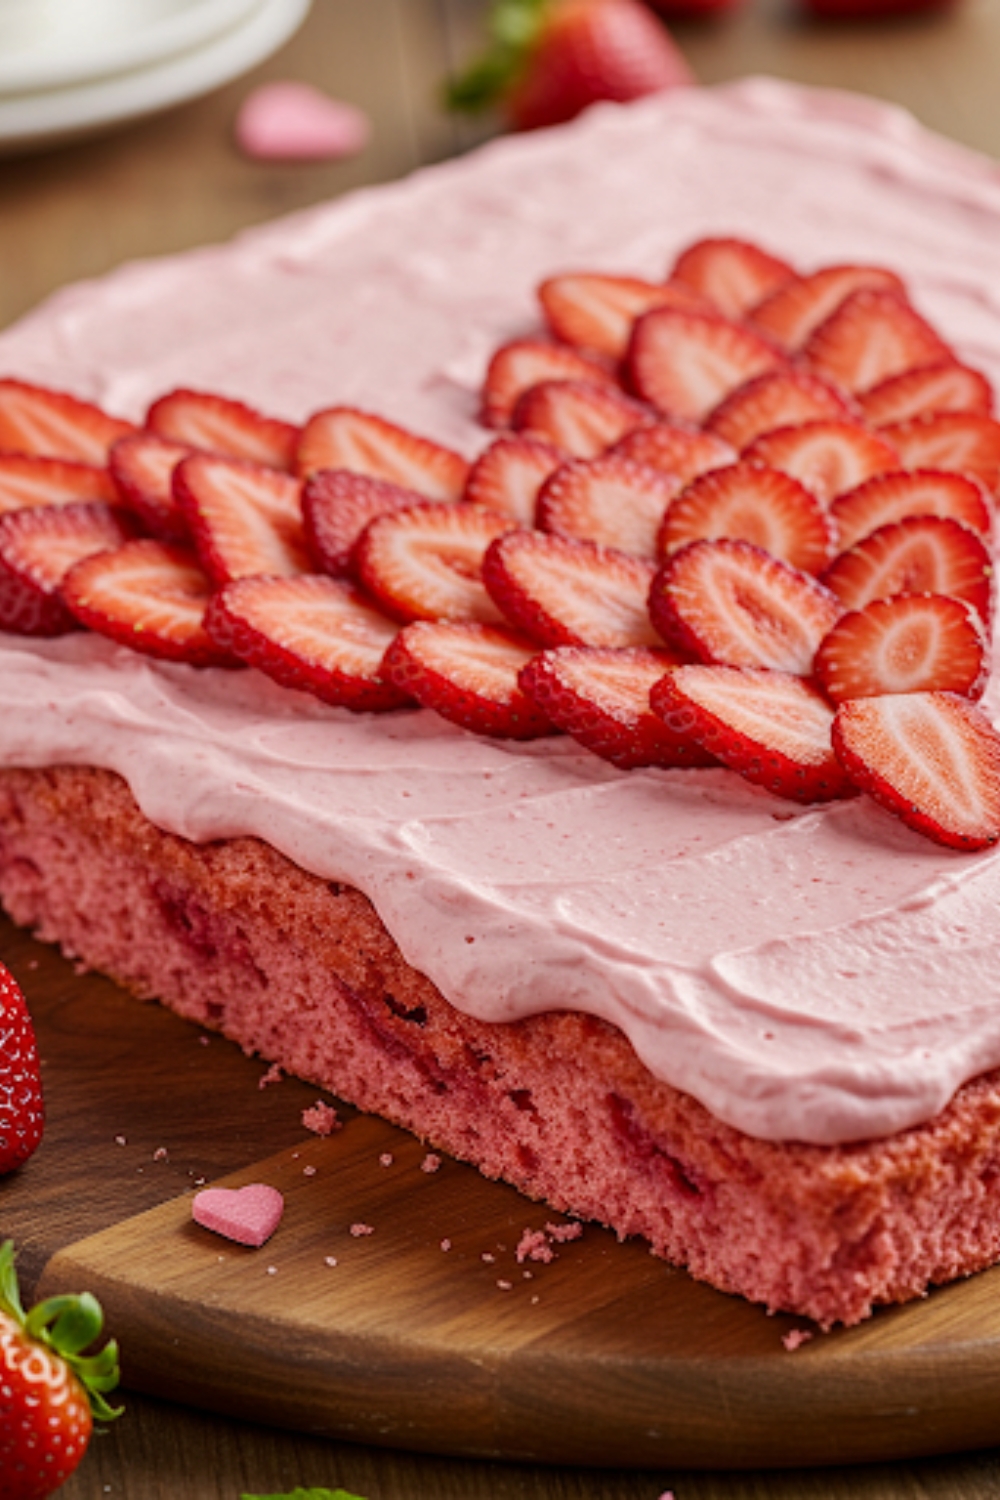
(161, 1154)
(359, 1230)
(505, 1286)
(272, 1270)
(488, 1258)
(430, 1163)
(321, 1118)
(329, 1260)
(796, 1338)
(564, 1233)
(446, 1244)
(386, 1159)
(205, 1041)
(309, 1171)
(534, 1245)
(273, 1075)
(121, 1140)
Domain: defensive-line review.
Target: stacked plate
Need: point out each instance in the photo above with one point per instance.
(70, 67)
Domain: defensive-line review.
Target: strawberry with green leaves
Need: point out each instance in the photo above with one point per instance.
(550, 59)
(51, 1388)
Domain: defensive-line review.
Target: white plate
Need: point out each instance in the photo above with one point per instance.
(47, 44)
(48, 116)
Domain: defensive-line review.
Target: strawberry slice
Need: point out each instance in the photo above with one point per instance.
(517, 366)
(218, 424)
(600, 696)
(733, 275)
(963, 441)
(149, 595)
(917, 492)
(595, 312)
(771, 727)
(607, 500)
(38, 546)
(564, 592)
(921, 555)
(731, 603)
(943, 385)
(341, 437)
(683, 452)
(907, 644)
(142, 467)
(751, 503)
(791, 313)
(425, 563)
(317, 634)
(53, 424)
(27, 481)
(780, 398)
(578, 416)
(933, 759)
(872, 335)
(684, 363)
(337, 505)
(507, 476)
(825, 455)
(468, 674)
(244, 518)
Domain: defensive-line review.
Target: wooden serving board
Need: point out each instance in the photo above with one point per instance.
(602, 1356)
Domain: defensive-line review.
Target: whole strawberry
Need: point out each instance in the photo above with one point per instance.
(21, 1114)
(50, 1388)
(550, 59)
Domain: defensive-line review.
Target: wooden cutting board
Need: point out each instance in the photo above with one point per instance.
(603, 1355)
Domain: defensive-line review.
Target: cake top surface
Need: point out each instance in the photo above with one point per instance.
(820, 974)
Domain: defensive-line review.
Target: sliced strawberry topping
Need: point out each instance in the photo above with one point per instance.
(607, 500)
(683, 452)
(921, 555)
(771, 727)
(563, 592)
(149, 595)
(600, 696)
(217, 424)
(963, 441)
(469, 675)
(944, 385)
(732, 603)
(244, 518)
(791, 313)
(899, 494)
(780, 398)
(732, 274)
(595, 312)
(38, 546)
(933, 759)
(826, 456)
(578, 416)
(685, 363)
(53, 424)
(751, 503)
(872, 335)
(313, 633)
(425, 563)
(517, 366)
(344, 438)
(507, 476)
(142, 467)
(907, 644)
(337, 505)
(27, 481)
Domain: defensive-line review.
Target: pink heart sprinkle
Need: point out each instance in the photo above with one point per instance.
(249, 1215)
(295, 122)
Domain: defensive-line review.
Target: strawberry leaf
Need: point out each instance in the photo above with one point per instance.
(514, 26)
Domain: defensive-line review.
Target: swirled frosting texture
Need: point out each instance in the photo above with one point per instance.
(814, 974)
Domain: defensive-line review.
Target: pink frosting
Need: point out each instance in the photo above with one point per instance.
(815, 974)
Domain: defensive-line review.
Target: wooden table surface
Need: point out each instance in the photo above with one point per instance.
(174, 181)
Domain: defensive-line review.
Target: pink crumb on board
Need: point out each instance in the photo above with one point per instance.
(321, 1118)
(290, 121)
(249, 1215)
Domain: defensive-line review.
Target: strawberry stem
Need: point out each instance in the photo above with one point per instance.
(514, 26)
(67, 1324)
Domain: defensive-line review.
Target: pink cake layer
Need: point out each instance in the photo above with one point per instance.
(236, 937)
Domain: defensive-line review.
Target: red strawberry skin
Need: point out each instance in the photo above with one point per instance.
(591, 50)
(22, 1113)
